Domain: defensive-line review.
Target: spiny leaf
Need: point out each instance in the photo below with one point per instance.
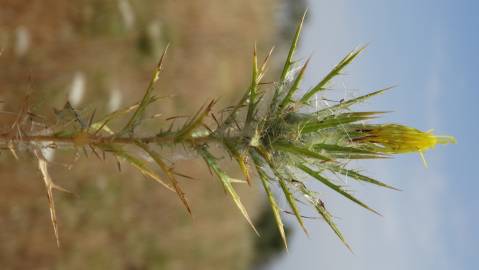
(335, 120)
(348, 103)
(195, 122)
(282, 182)
(292, 49)
(135, 162)
(262, 70)
(226, 181)
(319, 206)
(140, 111)
(341, 149)
(358, 156)
(292, 203)
(272, 201)
(347, 152)
(355, 175)
(333, 73)
(333, 186)
(167, 171)
(298, 150)
(252, 89)
(294, 87)
(289, 59)
(102, 124)
(240, 158)
(250, 94)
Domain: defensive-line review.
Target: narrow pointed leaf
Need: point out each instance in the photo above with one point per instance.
(333, 186)
(167, 171)
(299, 151)
(252, 89)
(262, 70)
(319, 206)
(358, 156)
(138, 115)
(226, 181)
(287, 193)
(272, 201)
(333, 121)
(240, 159)
(294, 88)
(348, 103)
(289, 59)
(334, 148)
(135, 162)
(102, 124)
(333, 73)
(194, 123)
(292, 203)
(292, 49)
(360, 177)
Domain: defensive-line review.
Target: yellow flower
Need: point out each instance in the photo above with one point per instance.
(397, 139)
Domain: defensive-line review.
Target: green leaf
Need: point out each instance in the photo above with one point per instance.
(299, 150)
(272, 201)
(333, 73)
(138, 115)
(333, 186)
(250, 94)
(102, 124)
(289, 59)
(135, 162)
(341, 149)
(282, 182)
(240, 159)
(292, 49)
(348, 103)
(355, 175)
(292, 203)
(253, 89)
(358, 156)
(347, 152)
(319, 206)
(167, 171)
(262, 69)
(226, 181)
(314, 125)
(294, 87)
(195, 122)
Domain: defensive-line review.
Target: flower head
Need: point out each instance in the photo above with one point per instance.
(396, 139)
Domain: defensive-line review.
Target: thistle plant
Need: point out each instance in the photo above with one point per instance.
(273, 133)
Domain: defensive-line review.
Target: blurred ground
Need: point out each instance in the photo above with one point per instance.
(122, 220)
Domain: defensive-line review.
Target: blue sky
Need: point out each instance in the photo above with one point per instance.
(428, 49)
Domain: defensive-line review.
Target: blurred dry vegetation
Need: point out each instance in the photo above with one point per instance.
(120, 220)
